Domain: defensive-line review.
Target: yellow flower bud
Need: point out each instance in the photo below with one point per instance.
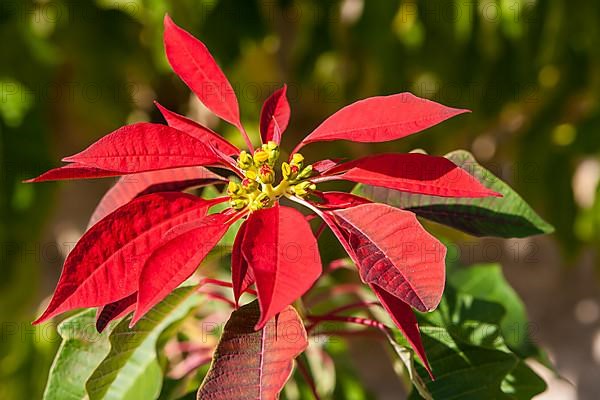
(286, 170)
(251, 174)
(250, 185)
(233, 188)
(297, 159)
(261, 201)
(302, 188)
(266, 174)
(306, 172)
(273, 155)
(260, 156)
(271, 145)
(238, 204)
(245, 160)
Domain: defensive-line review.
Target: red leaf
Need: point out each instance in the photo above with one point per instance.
(170, 180)
(145, 147)
(191, 60)
(241, 275)
(335, 200)
(404, 318)
(274, 116)
(114, 310)
(176, 260)
(393, 251)
(197, 131)
(414, 173)
(73, 171)
(249, 364)
(283, 255)
(105, 264)
(380, 119)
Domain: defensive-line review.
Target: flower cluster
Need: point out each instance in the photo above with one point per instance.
(256, 190)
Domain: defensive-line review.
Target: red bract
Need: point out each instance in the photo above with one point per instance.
(146, 239)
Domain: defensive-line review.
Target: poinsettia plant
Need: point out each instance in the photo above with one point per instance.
(149, 234)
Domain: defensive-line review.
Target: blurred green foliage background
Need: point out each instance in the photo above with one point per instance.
(72, 71)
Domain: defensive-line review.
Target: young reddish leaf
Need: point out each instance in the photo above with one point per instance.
(414, 173)
(274, 116)
(114, 310)
(250, 364)
(176, 260)
(335, 200)
(380, 119)
(198, 131)
(284, 257)
(323, 166)
(404, 318)
(393, 251)
(241, 275)
(169, 180)
(145, 147)
(73, 171)
(191, 60)
(105, 264)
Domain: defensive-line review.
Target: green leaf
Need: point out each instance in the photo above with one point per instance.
(465, 345)
(522, 383)
(487, 282)
(80, 352)
(507, 216)
(131, 370)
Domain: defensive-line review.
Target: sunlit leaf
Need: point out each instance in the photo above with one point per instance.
(131, 370)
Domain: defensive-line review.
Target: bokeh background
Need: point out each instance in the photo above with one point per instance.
(72, 71)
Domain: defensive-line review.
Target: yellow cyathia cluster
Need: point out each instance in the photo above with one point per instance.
(256, 190)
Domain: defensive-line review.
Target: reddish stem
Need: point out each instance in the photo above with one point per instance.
(220, 297)
(317, 319)
(307, 378)
(320, 230)
(349, 288)
(352, 306)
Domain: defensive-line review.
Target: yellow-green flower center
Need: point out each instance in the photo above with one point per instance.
(257, 189)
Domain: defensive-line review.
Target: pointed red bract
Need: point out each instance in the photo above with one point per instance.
(191, 60)
(414, 173)
(241, 274)
(284, 257)
(197, 131)
(114, 310)
(380, 119)
(274, 116)
(336, 200)
(73, 171)
(176, 260)
(393, 251)
(145, 147)
(170, 180)
(105, 264)
(404, 318)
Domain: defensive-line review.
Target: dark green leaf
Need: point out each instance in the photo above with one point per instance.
(486, 282)
(467, 352)
(522, 383)
(507, 216)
